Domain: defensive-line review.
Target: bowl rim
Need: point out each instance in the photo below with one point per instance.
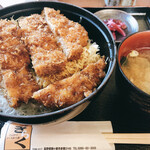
(104, 81)
(120, 68)
(110, 9)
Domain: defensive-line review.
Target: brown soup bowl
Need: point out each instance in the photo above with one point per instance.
(138, 98)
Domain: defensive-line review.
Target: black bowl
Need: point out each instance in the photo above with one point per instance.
(137, 98)
(97, 31)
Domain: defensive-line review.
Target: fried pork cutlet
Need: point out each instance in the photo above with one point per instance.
(72, 89)
(13, 54)
(14, 60)
(19, 85)
(46, 55)
(71, 35)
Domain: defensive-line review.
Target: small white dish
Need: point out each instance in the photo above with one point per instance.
(129, 20)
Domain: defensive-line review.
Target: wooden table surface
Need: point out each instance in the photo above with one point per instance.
(101, 3)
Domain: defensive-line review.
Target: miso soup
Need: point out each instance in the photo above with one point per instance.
(136, 67)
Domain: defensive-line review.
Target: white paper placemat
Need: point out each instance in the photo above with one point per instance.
(68, 135)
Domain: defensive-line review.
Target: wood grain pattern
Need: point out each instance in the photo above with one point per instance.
(101, 3)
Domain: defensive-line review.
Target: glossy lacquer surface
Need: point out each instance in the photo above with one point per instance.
(126, 87)
(97, 32)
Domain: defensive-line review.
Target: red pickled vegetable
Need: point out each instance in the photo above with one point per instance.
(116, 25)
(123, 26)
(114, 35)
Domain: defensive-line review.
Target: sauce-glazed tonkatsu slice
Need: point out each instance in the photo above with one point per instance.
(46, 55)
(72, 89)
(71, 35)
(17, 80)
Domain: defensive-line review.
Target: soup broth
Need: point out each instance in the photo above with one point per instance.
(137, 68)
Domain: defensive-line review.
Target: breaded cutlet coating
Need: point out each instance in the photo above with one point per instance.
(13, 54)
(71, 35)
(19, 86)
(68, 91)
(46, 55)
(17, 80)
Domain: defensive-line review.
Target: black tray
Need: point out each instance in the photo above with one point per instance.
(111, 106)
